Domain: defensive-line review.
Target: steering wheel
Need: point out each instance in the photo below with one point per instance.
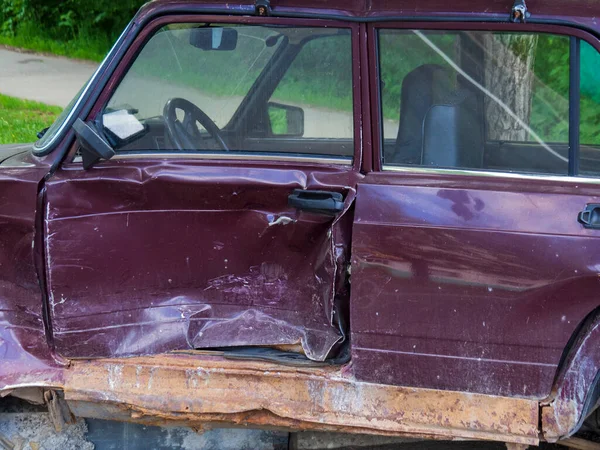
(185, 133)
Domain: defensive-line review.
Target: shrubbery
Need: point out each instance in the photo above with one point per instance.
(92, 24)
(68, 18)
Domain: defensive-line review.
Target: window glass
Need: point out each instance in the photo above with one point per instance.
(60, 120)
(478, 100)
(237, 88)
(589, 129)
(322, 86)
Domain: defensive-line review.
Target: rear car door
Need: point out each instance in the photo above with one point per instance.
(220, 224)
(475, 241)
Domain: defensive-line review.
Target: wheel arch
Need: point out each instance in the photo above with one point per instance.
(576, 387)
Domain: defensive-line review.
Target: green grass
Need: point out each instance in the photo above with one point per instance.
(82, 46)
(20, 120)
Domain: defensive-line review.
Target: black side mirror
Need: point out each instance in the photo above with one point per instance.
(93, 146)
(285, 120)
(214, 38)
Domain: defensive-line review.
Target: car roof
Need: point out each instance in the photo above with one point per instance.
(372, 9)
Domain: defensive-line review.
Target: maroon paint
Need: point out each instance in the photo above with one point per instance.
(367, 142)
(467, 283)
(575, 381)
(428, 346)
(151, 256)
(24, 353)
(576, 11)
(416, 236)
(219, 305)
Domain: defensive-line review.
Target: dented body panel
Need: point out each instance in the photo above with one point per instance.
(197, 256)
(24, 351)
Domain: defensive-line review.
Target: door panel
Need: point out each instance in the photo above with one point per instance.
(151, 256)
(468, 283)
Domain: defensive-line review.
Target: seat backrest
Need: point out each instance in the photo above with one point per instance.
(453, 132)
(440, 125)
(423, 87)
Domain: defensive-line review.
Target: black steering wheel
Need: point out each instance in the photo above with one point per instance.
(184, 134)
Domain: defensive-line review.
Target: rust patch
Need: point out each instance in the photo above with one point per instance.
(558, 418)
(200, 389)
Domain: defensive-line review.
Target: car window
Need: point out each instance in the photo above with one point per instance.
(237, 88)
(328, 87)
(53, 129)
(476, 100)
(589, 129)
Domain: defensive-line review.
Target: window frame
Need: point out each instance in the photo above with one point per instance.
(576, 36)
(150, 29)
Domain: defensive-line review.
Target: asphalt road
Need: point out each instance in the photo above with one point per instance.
(46, 79)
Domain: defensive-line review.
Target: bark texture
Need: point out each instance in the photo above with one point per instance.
(509, 61)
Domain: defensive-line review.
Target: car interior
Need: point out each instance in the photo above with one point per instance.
(443, 124)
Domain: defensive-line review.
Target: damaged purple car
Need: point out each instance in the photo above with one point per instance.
(365, 216)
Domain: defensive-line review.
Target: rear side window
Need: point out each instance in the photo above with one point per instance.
(487, 101)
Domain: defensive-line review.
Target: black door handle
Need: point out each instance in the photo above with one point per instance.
(590, 216)
(320, 202)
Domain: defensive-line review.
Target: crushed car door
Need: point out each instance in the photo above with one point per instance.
(188, 240)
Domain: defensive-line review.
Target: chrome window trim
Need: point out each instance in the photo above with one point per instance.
(228, 157)
(489, 174)
(92, 81)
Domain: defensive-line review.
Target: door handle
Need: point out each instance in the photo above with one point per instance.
(319, 202)
(590, 216)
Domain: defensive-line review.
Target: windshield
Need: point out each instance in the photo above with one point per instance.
(171, 66)
(55, 127)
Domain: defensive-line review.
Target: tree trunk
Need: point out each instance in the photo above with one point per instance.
(509, 60)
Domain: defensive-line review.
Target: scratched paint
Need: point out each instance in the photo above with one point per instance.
(24, 353)
(564, 411)
(192, 256)
(458, 285)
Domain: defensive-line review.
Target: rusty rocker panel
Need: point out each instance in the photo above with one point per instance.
(200, 388)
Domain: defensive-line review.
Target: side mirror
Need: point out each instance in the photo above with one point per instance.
(93, 146)
(285, 120)
(214, 38)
